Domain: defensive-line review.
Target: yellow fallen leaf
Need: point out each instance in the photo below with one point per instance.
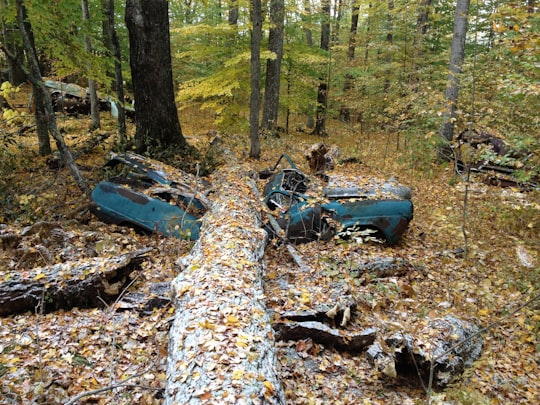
(269, 388)
(39, 276)
(232, 320)
(207, 324)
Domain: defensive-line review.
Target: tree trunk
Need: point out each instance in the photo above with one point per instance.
(338, 13)
(94, 105)
(67, 285)
(421, 30)
(221, 343)
(322, 90)
(389, 43)
(457, 55)
(255, 63)
(34, 75)
(310, 122)
(15, 75)
(368, 33)
(233, 12)
(158, 127)
(40, 113)
(345, 112)
(118, 79)
(273, 67)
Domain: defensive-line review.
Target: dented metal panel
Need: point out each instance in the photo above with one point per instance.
(385, 207)
(147, 198)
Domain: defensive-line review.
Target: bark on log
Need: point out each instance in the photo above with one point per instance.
(67, 285)
(221, 343)
(382, 267)
(158, 296)
(323, 334)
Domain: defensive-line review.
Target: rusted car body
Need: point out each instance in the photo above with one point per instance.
(71, 98)
(150, 196)
(384, 208)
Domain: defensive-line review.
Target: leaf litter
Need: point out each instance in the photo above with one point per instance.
(54, 357)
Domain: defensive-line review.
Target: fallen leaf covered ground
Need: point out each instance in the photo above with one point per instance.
(50, 358)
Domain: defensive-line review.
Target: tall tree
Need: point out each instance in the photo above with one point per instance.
(457, 55)
(421, 30)
(94, 105)
(233, 12)
(306, 16)
(11, 42)
(33, 74)
(157, 124)
(389, 41)
(273, 66)
(255, 66)
(344, 112)
(112, 43)
(322, 90)
(40, 109)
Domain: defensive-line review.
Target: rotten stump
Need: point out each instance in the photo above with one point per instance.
(447, 345)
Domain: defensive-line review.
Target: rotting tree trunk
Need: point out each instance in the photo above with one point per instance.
(86, 283)
(448, 345)
(221, 344)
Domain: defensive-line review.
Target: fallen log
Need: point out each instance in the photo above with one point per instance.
(84, 283)
(382, 267)
(221, 343)
(320, 333)
(144, 302)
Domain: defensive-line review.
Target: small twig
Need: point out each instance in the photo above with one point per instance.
(110, 309)
(112, 386)
(39, 311)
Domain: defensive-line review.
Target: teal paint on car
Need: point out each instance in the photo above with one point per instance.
(147, 198)
(337, 210)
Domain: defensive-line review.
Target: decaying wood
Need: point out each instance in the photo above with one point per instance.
(339, 312)
(382, 267)
(158, 296)
(321, 158)
(66, 285)
(221, 343)
(407, 356)
(325, 335)
(315, 157)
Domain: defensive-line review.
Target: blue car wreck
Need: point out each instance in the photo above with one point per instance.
(382, 208)
(150, 196)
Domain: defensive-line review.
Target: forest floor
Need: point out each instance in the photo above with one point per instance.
(49, 358)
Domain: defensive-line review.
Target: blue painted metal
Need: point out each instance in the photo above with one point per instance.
(307, 218)
(124, 201)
